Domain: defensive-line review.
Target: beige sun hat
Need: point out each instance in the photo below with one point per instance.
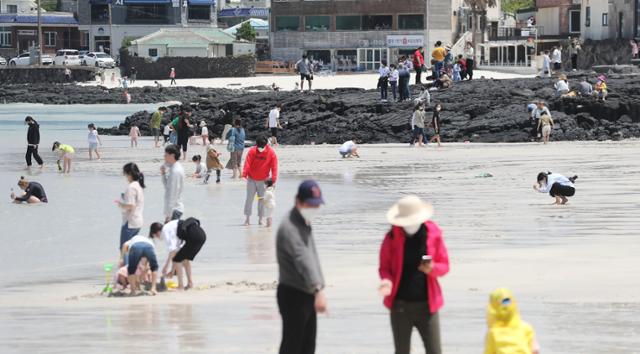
(409, 210)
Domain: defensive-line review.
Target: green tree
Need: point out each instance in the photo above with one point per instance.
(510, 7)
(246, 32)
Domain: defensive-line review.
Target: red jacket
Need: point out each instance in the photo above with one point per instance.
(258, 164)
(392, 257)
(418, 59)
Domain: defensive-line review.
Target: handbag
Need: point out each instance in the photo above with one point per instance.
(231, 145)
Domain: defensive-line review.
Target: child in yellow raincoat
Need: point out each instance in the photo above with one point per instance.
(508, 334)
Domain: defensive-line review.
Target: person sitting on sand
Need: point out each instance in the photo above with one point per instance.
(557, 185)
(507, 333)
(140, 249)
(65, 153)
(201, 168)
(444, 82)
(33, 192)
(184, 240)
(562, 86)
(545, 124)
(601, 88)
(349, 149)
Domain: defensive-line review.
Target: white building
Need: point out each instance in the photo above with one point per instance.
(18, 6)
(190, 42)
(595, 19)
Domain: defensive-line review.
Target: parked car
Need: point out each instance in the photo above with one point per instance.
(67, 57)
(99, 60)
(3, 61)
(81, 54)
(24, 59)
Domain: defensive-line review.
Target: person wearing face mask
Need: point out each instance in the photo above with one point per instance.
(260, 165)
(557, 185)
(301, 283)
(412, 258)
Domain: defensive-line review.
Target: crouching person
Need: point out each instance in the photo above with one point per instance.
(184, 239)
(141, 249)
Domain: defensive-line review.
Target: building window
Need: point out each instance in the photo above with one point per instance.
(587, 16)
(574, 21)
(350, 23)
(605, 19)
(12, 9)
(200, 12)
(153, 52)
(410, 22)
(151, 13)
(5, 37)
(99, 13)
(317, 23)
(287, 23)
(50, 39)
(84, 40)
(377, 23)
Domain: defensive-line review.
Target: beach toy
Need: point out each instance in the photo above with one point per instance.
(108, 267)
(59, 167)
(172, 284)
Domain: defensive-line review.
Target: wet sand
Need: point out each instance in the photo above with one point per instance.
(572, 267)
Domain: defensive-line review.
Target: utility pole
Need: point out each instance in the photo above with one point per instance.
(110, 29)
(427, 26)
(39, 34)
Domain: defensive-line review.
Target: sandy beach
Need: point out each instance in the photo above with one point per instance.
(571, 267)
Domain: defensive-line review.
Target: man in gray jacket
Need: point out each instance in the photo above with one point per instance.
(173, 181)
(301, 284)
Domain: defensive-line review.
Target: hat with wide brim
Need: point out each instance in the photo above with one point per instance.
(409, 210)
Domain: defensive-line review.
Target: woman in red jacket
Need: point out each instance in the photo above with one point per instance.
(412, 258)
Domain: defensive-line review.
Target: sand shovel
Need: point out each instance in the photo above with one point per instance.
(108, 289)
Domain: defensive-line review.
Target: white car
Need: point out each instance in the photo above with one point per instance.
(67, 57)
(24, 60)
(99, 60)
(3, 61)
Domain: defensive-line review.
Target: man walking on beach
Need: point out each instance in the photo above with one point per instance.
(173, 181)
(260, 163)
(273, 123)
(301, 283)
(306, 72)
(156, 121)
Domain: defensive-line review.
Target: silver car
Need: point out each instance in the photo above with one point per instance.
(3, 61)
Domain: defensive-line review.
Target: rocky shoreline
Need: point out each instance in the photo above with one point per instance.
(481, 110)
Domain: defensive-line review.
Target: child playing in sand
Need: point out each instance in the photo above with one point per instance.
(93, 138)
(201, 168)
(134, 133)
(213, 162)
(269, 201)
(507, 333)
(349, 149)
(65, 153)
(557, 185)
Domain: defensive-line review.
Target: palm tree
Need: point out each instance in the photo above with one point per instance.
(478, 10)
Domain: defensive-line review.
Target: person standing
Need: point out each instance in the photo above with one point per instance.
(438, 55)
(545, 124)
(172, 76)
(435, 123)
(260, 165)
(418, 124)
(182, 126)
(301, 283)
(173, 181)
(469, 56)
(134, 74)
(102, 77)
(306, 72)
(537, 113)
(93, 139)
(393, 81)
(546, 65)
(131, 203)
(556, 58)
(574, 49)
(418, 64)
(404, 76)
(156, 122)
(383, 80)
(273, 123)
(235, 146)
(33, 140)
(634, 49)
(413, 256)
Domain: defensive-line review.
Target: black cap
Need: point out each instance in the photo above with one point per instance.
(309, 193)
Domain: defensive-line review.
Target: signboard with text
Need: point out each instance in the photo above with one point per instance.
(405, 41)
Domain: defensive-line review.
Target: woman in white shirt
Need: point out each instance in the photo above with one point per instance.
(562, 86)
(557, 185)
(131, 203)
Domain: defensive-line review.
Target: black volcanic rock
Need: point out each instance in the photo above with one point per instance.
(480, 110)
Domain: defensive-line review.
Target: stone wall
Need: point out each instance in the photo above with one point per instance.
(188, 67)
(33, 75)
(605, 52)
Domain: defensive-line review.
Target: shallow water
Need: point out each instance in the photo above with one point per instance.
(572, 268)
